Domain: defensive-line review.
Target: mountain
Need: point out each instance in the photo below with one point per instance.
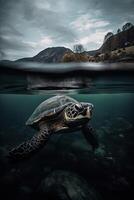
(120, 40)
(49, 55)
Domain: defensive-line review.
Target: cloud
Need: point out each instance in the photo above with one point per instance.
(93, 40)
(28, 27)
(49, 22)
(85, 23)
(2, 55)
(44, 42)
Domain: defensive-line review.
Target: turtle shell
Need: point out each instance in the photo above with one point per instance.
(49, 108)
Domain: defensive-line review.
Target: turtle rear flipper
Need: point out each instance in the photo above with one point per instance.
(29, 147)
(90, 136)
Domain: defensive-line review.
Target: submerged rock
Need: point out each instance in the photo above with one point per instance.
(64, 185)
(100, 152)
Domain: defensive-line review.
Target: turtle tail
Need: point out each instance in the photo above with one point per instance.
(31, 146)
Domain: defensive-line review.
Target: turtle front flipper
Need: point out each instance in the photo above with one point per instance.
(90, 136)
(29, 147)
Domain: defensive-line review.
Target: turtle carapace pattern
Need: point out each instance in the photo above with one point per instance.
(56, 114)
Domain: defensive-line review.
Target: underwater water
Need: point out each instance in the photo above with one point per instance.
(66, 168)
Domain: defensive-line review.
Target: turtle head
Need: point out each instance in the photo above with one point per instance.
(78, 114)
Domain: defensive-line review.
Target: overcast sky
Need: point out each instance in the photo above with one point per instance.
(29, 26)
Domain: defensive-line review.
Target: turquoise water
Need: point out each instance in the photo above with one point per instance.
(67, 168)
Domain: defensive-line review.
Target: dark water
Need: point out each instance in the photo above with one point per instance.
(66, 168)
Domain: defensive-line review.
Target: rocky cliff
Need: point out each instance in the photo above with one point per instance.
(117, 41)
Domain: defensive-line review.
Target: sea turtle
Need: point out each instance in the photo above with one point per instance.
(56, 114)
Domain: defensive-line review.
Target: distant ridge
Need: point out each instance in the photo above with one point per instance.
(49, 55)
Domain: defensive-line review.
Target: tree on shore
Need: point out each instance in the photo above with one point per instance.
(108, 35)
(69, 57)
(107, 56)
(79, 55)
(78, 48)
(75, 57)
(119, 30)
(127, 26)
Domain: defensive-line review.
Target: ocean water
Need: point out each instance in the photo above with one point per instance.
(66, 168)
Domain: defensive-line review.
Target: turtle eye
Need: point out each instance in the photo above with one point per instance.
(77, 106)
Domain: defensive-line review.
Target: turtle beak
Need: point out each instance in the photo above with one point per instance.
(91, 107)
(89, 111)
